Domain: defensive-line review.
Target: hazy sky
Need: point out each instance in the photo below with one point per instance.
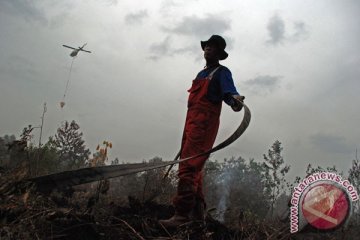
(297, 62)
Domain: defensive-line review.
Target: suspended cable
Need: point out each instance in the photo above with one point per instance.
(62, 103)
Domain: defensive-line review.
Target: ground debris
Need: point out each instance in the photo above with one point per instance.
(28, 214)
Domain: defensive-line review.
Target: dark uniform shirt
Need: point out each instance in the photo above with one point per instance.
(221, 87)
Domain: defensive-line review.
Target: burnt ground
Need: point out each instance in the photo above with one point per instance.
(56, 217)
(28, 214)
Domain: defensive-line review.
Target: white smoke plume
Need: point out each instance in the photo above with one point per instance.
(223, 182)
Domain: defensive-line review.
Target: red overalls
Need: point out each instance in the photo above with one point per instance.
(201, 127)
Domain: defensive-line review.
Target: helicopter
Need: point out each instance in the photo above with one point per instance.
(76, 50)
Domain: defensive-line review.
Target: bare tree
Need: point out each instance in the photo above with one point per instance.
(275, 171)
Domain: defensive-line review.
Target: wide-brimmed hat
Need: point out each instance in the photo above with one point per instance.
(220, 42)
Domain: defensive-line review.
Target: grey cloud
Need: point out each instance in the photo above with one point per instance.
(276, 29)
(168, 5)
(278, 34)
(200, 27)
(330, 143)
(26, 9)
(160, 49)
(300, 28)
(188, 49)
(58, 20)
(110, 2)
(300, 31)
(193, 49)
(136, 18)
(165, 48)
(263, 84)
(33, 11)
(20, 68)
(196, 28)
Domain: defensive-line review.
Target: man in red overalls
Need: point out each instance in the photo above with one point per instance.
(212, 85)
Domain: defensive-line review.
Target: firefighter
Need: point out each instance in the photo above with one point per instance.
(211, 86)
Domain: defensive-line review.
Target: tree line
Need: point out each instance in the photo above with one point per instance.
(234, 187)
(66, 150)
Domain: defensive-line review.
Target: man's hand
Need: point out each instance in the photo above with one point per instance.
(237, 106)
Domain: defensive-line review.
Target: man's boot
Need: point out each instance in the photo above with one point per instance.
(175, 221)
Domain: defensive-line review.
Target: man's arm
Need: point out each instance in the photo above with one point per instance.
(230, 94)
(237, 100)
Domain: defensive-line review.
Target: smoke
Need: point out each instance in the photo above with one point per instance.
(234, 187)
(223, 182)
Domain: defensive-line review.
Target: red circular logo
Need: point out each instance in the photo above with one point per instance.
(325, 206)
